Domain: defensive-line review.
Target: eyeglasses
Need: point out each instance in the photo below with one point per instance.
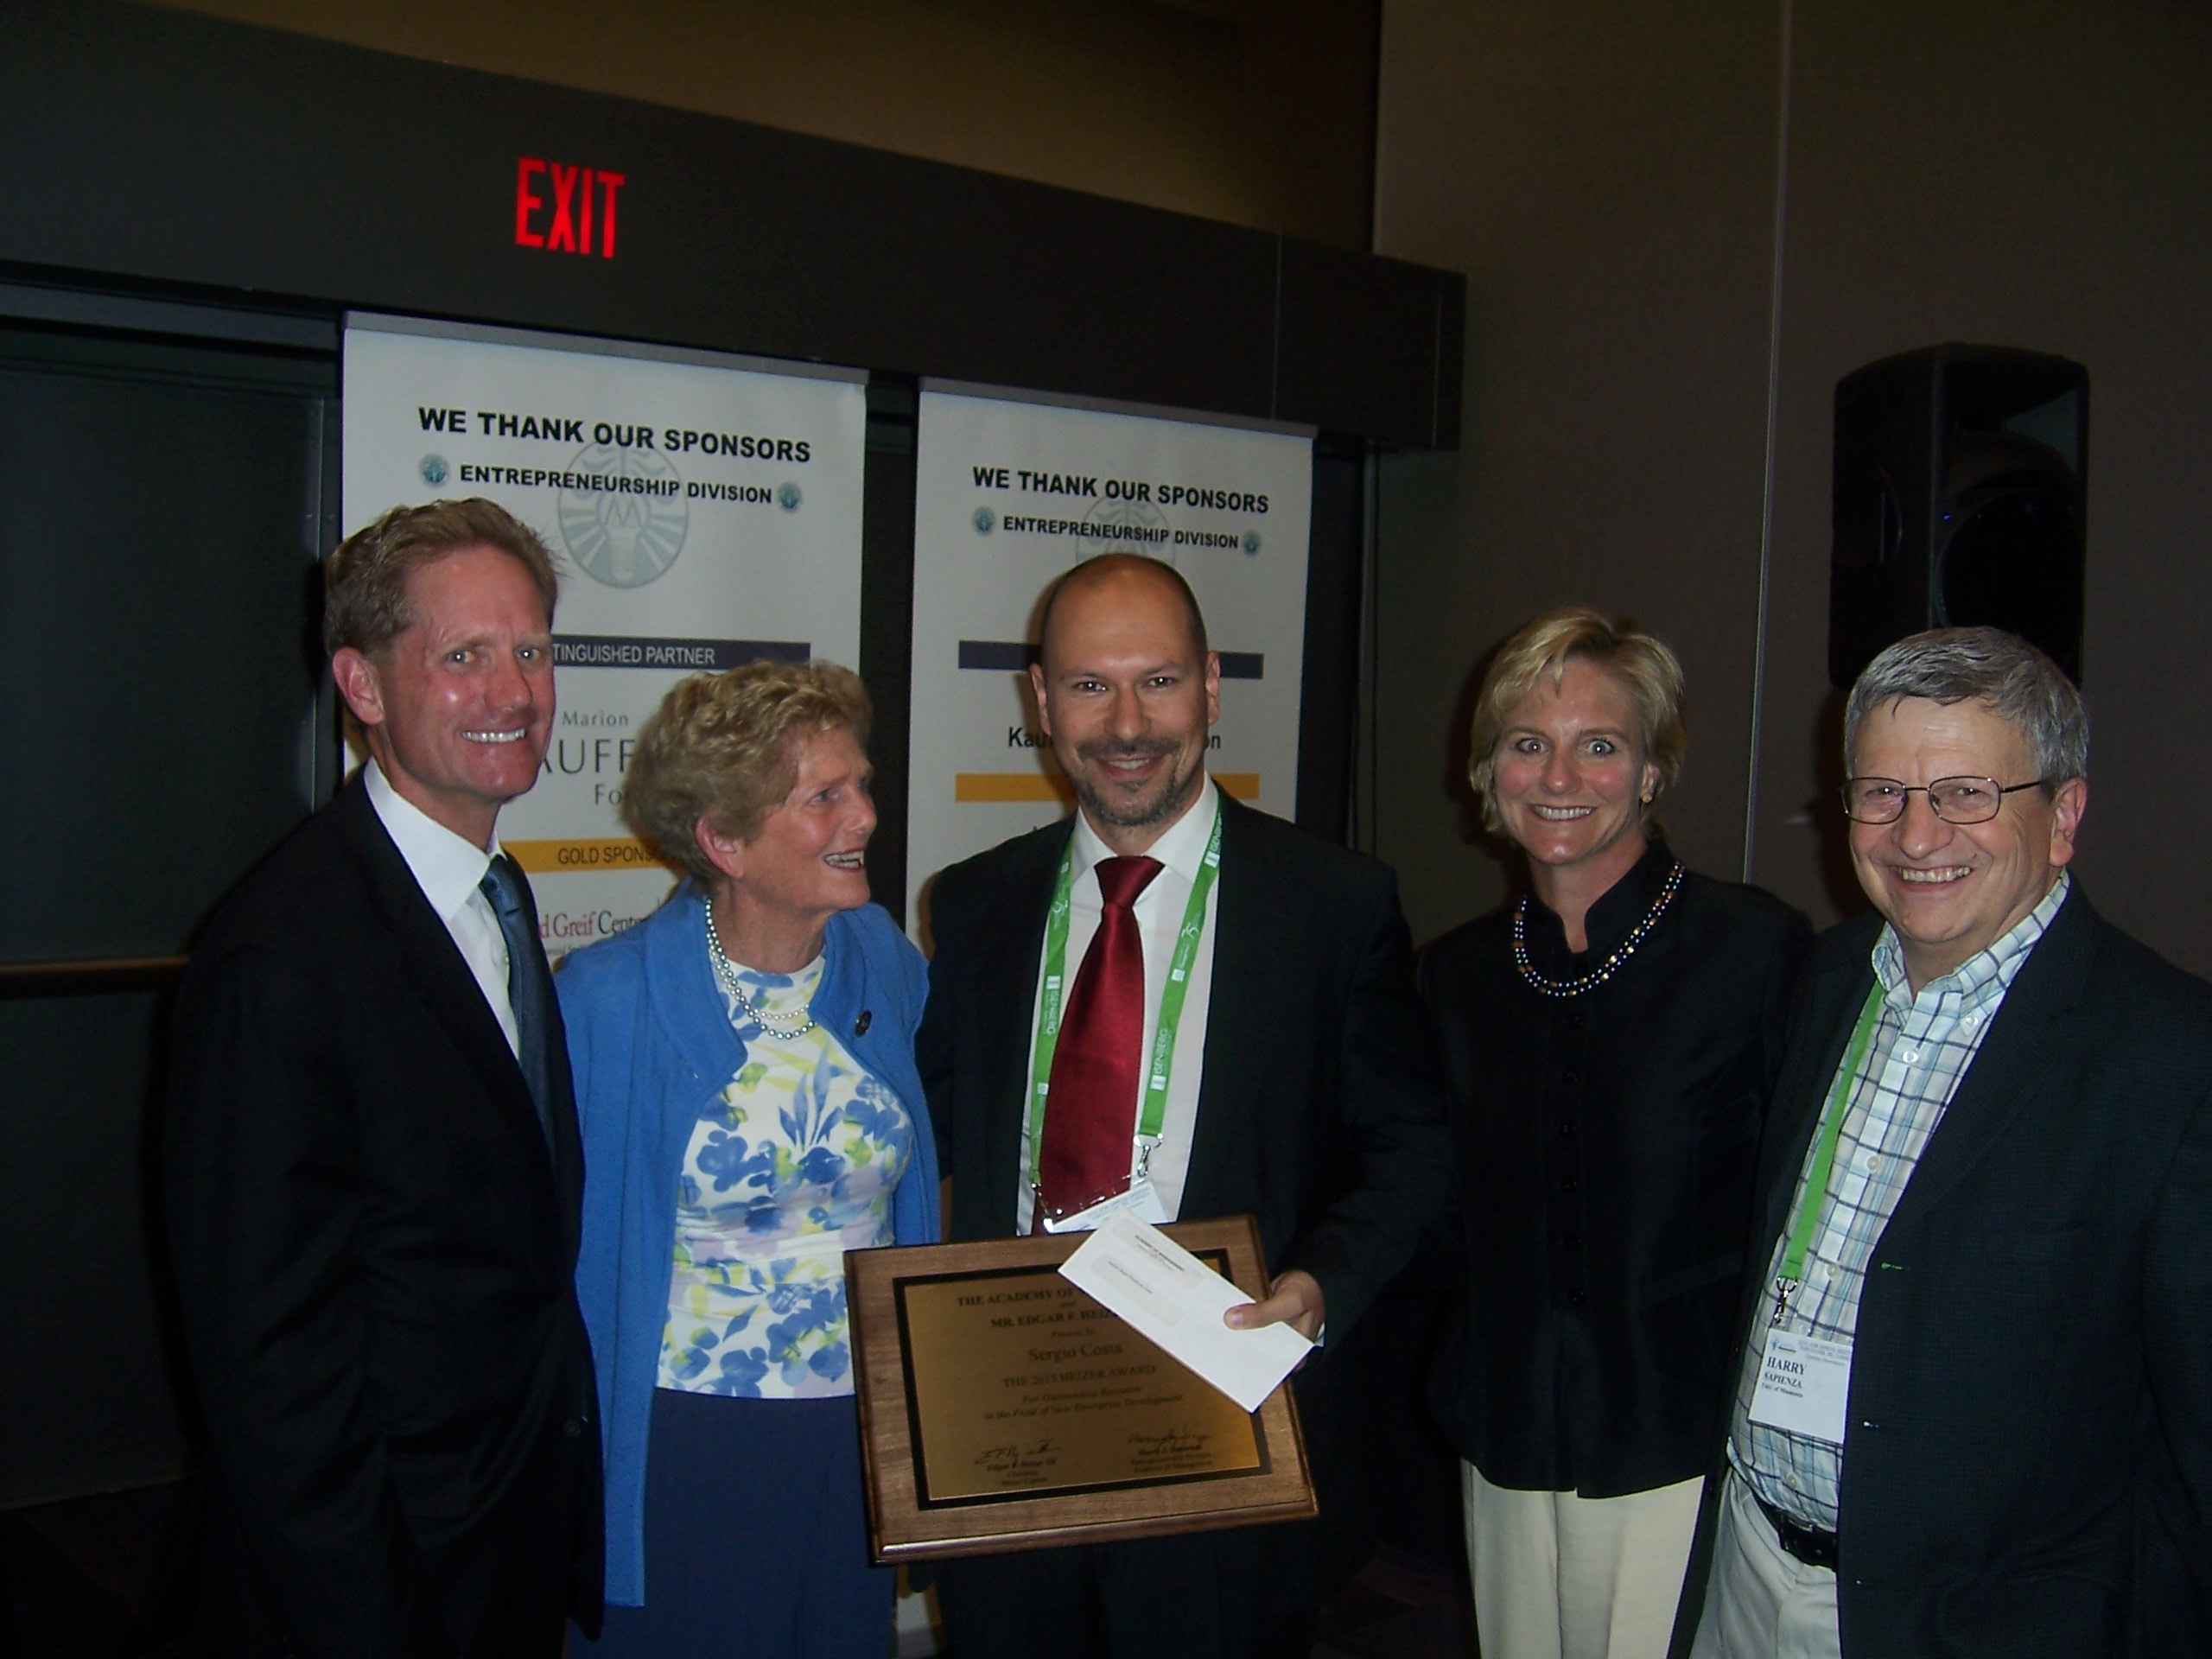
(1954, 800)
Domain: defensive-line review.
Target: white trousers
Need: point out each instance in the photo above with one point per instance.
(1761, 1602)
(1561, 1577)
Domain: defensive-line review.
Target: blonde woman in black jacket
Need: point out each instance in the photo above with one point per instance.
(1612, 1035)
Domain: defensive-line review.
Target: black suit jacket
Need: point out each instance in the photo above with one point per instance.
(1606, 1145)
(374, 1246)
(1321, 1107)
(2027, 1466)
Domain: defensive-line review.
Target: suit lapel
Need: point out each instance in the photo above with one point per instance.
(1237, 1023)
(567, 1146)
(438, 977)
(2014, 1063)
(1010, 942)
(1831, 1010)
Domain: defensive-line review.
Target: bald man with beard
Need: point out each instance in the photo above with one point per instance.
(1304, 1088)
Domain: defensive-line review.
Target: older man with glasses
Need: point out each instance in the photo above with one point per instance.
(1974, 1409)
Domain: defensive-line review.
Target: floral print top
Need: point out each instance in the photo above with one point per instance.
(790, 1165)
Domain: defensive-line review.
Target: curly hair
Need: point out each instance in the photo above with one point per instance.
(724, 748)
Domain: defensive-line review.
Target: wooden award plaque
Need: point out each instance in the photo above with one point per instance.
(1001, 1408)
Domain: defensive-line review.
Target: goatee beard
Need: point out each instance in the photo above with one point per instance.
(1172, 799)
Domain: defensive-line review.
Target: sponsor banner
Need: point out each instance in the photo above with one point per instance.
(1010, 492)
(706, 512)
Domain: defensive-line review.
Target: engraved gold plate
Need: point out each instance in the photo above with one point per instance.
(1023, 1384)
(1002, 1409)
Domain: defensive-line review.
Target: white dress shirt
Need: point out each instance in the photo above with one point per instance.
(1158, 910)
(448, 867)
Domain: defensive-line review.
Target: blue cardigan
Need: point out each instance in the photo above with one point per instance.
(652, 1045)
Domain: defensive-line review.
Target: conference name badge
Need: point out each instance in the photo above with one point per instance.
(1804, 1385)
(1139, 1198)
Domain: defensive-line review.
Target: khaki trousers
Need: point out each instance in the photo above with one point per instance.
(1559, 1576)
(1761, 1602)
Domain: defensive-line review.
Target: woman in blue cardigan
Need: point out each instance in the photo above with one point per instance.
(745, 1077)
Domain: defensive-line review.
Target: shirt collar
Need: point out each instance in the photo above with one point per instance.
(1983, 978)
(1612, 917)
(447, 866)
(1182, 848)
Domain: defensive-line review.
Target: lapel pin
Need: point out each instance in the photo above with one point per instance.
(861, 1025)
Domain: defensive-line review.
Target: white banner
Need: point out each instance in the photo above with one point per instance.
(1008, 494)
(707, 509)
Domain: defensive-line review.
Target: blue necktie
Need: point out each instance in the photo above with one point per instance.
(529, 981)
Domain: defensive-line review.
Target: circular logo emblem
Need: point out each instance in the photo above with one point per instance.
(1125, 527)
(625, 538)
(788, 496)
(1251, 543)
(985, 521)
(434, 470)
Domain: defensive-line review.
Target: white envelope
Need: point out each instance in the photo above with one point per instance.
(1169, 1295)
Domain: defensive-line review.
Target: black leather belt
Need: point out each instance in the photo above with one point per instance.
(1810, 1545)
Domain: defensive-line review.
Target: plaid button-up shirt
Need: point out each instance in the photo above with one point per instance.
(1920, 1048)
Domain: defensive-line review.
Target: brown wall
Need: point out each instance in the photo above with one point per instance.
(2030, 173)
(2036, 174)
(1604, 174)
(1260, 113)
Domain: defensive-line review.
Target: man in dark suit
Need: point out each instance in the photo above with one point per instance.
(1300, 1086)
(1974, 1415)
(372, 1168)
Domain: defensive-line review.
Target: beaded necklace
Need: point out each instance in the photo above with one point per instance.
(729, 970)
(1605, 969)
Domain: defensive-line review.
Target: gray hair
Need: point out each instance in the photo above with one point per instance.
(2020, 684)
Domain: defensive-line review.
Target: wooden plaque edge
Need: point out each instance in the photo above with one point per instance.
(900, 1530)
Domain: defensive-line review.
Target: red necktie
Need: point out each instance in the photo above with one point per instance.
(1090, 1108)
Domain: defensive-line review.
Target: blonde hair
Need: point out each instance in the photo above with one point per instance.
(1541, 650)
(725, 747)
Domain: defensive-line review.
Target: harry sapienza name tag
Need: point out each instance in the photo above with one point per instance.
(1804, 1385)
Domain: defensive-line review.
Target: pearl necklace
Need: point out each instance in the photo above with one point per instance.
(1605, 969)
(729, 970)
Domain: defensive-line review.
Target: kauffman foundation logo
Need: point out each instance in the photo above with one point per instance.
(623, 514)
(1124, 526)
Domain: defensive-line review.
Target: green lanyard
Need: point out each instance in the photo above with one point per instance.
(1154, 1111)
(1792, 1271)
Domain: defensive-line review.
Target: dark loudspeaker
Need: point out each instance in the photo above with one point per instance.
(1960, 500)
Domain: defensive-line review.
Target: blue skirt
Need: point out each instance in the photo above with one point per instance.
(756, 1536)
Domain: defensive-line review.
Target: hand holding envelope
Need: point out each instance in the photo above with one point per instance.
(1293, 1299)
(1170, 1296)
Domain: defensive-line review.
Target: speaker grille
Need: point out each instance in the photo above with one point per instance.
(1959, 500)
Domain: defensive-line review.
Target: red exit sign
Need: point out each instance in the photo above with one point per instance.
(561, 209)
